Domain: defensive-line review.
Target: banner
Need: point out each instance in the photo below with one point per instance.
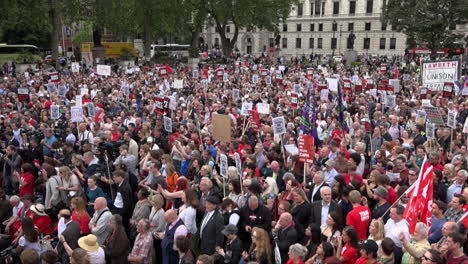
(104, 70)
(436, 73)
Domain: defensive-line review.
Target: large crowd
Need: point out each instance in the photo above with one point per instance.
(137, 175)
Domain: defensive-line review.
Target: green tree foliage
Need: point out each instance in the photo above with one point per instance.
(428, 21)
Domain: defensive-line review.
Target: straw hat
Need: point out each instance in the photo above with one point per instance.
(89, 243)
(38, 209)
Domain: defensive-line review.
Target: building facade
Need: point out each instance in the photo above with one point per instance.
(321, 27)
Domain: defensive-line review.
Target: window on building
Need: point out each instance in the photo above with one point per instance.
(271, 42)
(336, 8)
(311, 43)
(298, 43)
(300, 9)
(312, 5)
(298, 27)
(366, 43)
(333, 43)
(320, 27)
(352, 7)
(285, 27)
(382, 43)
(384, 26)
(312, 27)
(370, 6)
(319, 43)
(323, 9)
(285, 43)
(317, 8)
(350, 26)
(334, 26)
(228, 29)
(392, 43)
(368, 26)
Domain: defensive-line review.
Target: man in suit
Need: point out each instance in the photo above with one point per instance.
(321, 209)
(174, 228)
(253, 215)
(285, 235)
(211, 227)
(318, 181)
(207, 189)
(277, 172)
(69, 236)
(124, 197)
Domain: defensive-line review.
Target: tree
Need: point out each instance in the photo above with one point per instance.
(428, 21)
(264, 14)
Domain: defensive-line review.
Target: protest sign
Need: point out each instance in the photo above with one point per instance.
(254, 120)
(297, 88)
(195, 74)
(263, 108)
(395, 83)
(104, 70)
(464, 91)
(430, 130)
(324, 95)
(223, 168)
(306, 148)
(168, 124)
(51, 88)
(75, 67)
(390, 100)
(54, 77)
(268, 80)
(172, 103)
(221, 128)
(54, 112)
(238, 163)
(279, 125)
(235, 94)
(225, 77)
(178, 84)
(465, 126)
(452, 119)
(246, 107)
(23, 94)
(91, 109)
(292, 149)
(433, 115)
(332, 84)
(294, 100)
(436, 73)
(255, 79)
(421, 117)
(79, 100)
(76, 113)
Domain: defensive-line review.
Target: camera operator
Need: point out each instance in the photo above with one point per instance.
(47, 142)
(84, 136)
(67, 153)
(11, 140)
(34, 153)
(128, 159)
(12, 163)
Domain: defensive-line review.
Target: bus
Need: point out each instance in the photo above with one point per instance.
(11, 52)
(176, 50)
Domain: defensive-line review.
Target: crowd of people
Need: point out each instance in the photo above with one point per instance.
(140, 178)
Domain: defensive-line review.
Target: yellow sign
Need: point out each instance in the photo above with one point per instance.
(86, 47)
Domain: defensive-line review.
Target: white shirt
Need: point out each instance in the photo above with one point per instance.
(98, 257)
(17, 208)
(118, 202)
(61, 226)
(324, 215)
(188, 216)
(393, 230)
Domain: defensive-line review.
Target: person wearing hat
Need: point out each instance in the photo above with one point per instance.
(330, 172)
(95, 252)
(368, 250)
(41, 220)
(382, 206)
(232, 252)
(211, 227)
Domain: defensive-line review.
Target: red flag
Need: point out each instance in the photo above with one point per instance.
(420, 202)
(396, 73)
(255, 120)
(168, 68)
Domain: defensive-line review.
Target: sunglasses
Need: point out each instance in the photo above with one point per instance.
(426, 258)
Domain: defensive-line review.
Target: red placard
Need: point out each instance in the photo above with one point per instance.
(381, 87)
(370, 84)
(358, 86)
(310, 73)
(322, 85)
(254, 120)
(448, 90)
(163, 72)
(347, 85)
(159, 105)
(306, 148)
(219, 74)
(383, 68)
(294, 100)
(264, 72)
(54, 77)
(99, 116)
(390, 88)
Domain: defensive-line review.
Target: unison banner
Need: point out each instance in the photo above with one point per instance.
(436, 73)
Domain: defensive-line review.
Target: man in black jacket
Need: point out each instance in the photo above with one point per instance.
(253, 215)
(321, 209)
(233, 249)
(69, 236)
(124, 197)
(285, 235)
(211, 227)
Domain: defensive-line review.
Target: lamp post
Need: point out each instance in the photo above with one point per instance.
(333, 29)
(339, 42)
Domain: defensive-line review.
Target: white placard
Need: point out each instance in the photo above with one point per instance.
(51, 88)
(79, 100)
(452, 119)
(239, 163)
(394, 177)
(104, 70)
(54, 112)
(292, 149)
(83, 91)
(436, 73)
(332, 84)
(268, 80)
(223, 168)
(172, 103)
(324, 95)
(263, 108)
(396, 85)
(279, 126)
(168, 124)
(195, 74)
(178, 84)
(235, 94)
(255, 79)
(204, 84)
(75, 67)
(390, 100)
(91, 109)
(246, 107)
(76, 114)
(62, 90)
(297, 88)
(430, 130)
(282, 68)
(225, 77)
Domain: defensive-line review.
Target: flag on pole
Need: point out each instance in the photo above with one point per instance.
(305, 119)
(313, 122)
(419, 205)
(340, 105)
(396, 73)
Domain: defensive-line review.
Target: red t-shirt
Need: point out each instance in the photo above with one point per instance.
(28, 179)
(83, 220)
(359, 218)
(461, 260)
(349, 253)
(356, 177)
(43, 224)
(392, 197)
(364, 261)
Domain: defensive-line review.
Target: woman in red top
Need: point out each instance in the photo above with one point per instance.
(297, 253)
(368, 251)
(348, 253)
(41, 220)
(26, 180)
(80, 214)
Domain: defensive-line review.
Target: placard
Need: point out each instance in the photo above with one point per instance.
(390, 100)
(23, 94)
(235, 94)
(268, 80)
(433, 115)
(421, 117)
(221, 127)
(395, 83)
(178, 84)
(226, 77)
(54, 77)
(292, 149)
(465, 126)
(238, 163)
(324, 95)
(172, 103)
(91, 109)
(51, 88)
(436, 73)
(79, 100)
(246, 107)
(255, 79)
(54, 112)
(195, 74)
(279, 125)
(297, 88)
(430, 130)
(306, 148)
(223, 168)
(452, 119)
(168, 124)
(104, 70)
(263, 108)
(75, 67)
(76, 114)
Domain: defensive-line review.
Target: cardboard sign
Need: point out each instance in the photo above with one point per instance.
(436, 73)
(221, 128)
(103, 70)
(54, 112)
(75, 67)
(91, 109)
(168, 124)
(76, 114)
(223, 168)
(430, 130)
(238, 163)
(279, 125)
(452, 119)
(433, 115)
(263, 108)
(306, 148)
(246, 107)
